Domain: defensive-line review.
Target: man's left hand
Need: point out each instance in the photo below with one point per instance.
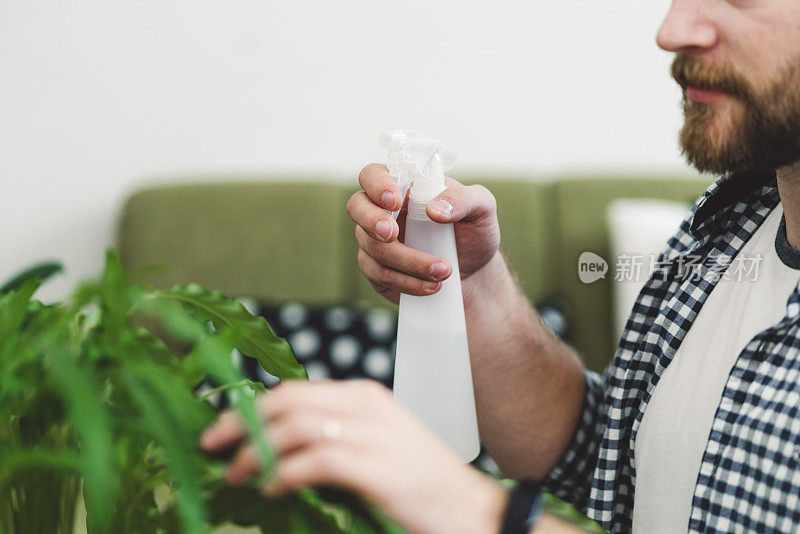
(354, 435)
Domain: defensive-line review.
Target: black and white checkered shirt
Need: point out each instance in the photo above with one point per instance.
(749, 479)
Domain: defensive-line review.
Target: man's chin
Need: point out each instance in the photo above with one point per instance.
(707, 154)
(708, 137)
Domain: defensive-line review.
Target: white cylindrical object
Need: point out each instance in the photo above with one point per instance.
(432, 375)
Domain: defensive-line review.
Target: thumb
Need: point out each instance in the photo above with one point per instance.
(462, 203)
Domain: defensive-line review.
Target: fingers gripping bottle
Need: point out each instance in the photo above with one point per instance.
(432, 374)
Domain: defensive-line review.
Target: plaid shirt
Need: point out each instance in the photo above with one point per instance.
(749, 479)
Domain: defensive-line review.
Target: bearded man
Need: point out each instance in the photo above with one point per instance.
(695, 425)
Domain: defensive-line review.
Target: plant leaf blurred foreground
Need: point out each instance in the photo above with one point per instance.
(99, 396)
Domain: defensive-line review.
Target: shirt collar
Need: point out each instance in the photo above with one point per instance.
(722, 194)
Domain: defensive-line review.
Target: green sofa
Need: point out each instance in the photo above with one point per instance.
(290, 239)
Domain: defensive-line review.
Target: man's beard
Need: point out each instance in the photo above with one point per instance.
(761, 130)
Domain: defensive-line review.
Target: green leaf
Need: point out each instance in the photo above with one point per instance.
(178, 322)
(89, 392)
(169, 414)
(214, 355)
(255, 387)
(115, 293)
(42, 271)
(245, 507)
(331, 517)
(92, 423)
(23, 459)
(291, 513)
(567, 512)
(252, 335)
(14, 308)
(352, 513)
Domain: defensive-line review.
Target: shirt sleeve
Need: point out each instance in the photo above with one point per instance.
(571, 479)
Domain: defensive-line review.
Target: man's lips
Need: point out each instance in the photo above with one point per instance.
(696, 94)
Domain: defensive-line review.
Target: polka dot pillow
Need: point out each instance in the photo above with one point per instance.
(333, 342)
(346, 342)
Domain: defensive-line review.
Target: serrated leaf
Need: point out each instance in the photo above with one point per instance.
(252, 335)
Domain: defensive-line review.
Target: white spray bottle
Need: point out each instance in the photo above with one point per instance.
(432, 374)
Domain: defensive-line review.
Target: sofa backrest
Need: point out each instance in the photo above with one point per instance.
(271, 241)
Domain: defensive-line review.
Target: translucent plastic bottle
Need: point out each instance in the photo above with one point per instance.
(432, 375)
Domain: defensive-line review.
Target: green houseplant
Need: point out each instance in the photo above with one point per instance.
(99, 398)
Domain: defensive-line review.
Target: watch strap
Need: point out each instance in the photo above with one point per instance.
(524, 509)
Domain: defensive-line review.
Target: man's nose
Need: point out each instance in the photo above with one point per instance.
(687, 27)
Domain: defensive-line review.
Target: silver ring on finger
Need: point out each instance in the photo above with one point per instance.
(331, 429)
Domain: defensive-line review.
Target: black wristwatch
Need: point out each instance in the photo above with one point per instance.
(525, 508)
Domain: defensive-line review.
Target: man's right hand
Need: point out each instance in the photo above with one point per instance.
(393, 267)
(528, 384)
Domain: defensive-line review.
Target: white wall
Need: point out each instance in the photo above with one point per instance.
(100, 96)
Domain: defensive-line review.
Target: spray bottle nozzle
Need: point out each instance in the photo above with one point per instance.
(416, 156)
(393, 139)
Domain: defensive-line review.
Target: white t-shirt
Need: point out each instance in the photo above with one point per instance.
(674, 431)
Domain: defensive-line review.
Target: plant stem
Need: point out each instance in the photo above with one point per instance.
(225, 387)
